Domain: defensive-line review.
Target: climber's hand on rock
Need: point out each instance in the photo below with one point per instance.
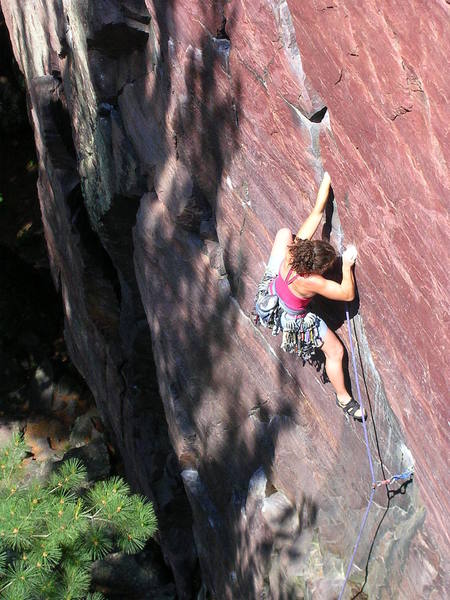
(322, 194)
(326, 179)
(349, 256)
(309, 227)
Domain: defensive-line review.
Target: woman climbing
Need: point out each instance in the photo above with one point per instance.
(294, 275)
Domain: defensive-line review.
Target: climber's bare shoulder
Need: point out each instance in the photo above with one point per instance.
(317, 284)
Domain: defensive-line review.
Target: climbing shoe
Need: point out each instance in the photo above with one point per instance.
(352, 408)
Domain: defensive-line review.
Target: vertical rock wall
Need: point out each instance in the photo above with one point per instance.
(206, 126)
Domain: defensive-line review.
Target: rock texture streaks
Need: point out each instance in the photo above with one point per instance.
(174, 139)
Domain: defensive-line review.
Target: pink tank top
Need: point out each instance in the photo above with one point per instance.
(283, 292)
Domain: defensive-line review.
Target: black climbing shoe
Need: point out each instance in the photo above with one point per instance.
(352, 408)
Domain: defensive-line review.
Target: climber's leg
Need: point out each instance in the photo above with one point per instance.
(282, 240)
(334, 353)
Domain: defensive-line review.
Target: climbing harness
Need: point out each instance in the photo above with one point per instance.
(300, 329)
(401, 476)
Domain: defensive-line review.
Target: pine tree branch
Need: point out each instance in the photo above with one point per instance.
(6, 586)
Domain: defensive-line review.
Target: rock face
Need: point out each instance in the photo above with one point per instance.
(174, 139)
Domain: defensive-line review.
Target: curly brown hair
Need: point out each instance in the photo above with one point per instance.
(311, 256)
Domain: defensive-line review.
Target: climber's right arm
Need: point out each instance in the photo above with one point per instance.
(331, 289)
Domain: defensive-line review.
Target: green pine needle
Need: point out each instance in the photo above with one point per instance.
(11, 457)
(118, 486)
(109, 501)
(19, 580)
(76, 582)
(2, 562)
(61, 519)
(138, 529)
(45, 555)
(145, 514)
(50, 532)
(111, 490)
(16, 532)
(46, 586)
(130, 543)
(72, 474)
(97, 542)
(76, 555)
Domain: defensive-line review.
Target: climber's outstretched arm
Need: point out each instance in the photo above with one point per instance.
(309, 227)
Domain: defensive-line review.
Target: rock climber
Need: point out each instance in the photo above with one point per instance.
(294, 275)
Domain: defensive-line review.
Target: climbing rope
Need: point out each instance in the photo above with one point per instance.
(358, 390)
(401, 476)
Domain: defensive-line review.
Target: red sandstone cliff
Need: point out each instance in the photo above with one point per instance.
(206, 127)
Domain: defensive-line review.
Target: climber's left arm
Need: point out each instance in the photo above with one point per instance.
(309, 227)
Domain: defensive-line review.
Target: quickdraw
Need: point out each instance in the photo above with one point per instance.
(406, 475)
